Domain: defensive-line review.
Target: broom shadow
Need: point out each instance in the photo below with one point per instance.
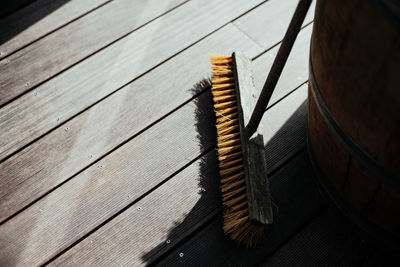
(209, 205)
(208, 183)
(284, 144)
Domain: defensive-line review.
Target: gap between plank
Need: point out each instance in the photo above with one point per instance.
(127, 140)
(103, 156)
(128, 206)
(210, 217)
(215, 214)
(116, 90)
(278, 43)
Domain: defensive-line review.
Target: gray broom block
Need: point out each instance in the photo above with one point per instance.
(254, 162)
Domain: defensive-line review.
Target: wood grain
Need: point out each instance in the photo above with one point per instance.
(95, 78)
(39, 19)
(87, 200)
(62, 155)
(54, 53)
(255, 175)
(139, 173)
(295, 71)
(271, 19)
(72, 87)
(57, 156)
(91, 135)
(176, 215)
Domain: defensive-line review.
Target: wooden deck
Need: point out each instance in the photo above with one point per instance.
(107, 138)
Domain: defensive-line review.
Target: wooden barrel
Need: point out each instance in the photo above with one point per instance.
(354, 111)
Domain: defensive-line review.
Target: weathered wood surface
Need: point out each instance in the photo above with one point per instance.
(255, 175)
(102, 128)
(49, 207)
(72, 87)
(141, 125)
(131, 171)
(39, 19)
(47, 163)
(295, 71)
(296, 195)
(74, 42)
(114, 173)
(270, 19)
(197, 202)
(110, 69)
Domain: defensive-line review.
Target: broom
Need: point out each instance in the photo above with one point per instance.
(244, 184)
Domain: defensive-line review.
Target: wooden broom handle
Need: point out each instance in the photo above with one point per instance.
(277, 66)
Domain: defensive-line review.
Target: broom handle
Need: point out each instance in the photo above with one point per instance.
(277, 66)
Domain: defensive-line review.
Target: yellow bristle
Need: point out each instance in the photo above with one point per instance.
(231, 186)
(224, 104)
(224, 98)
(232, 178)
(226, 118)
(230, 170)
(236, 222)
(229, 143)
(235, 201)
(217, 57)
(228, 164)
(224, 158)
(225, 150)
(223, 92)
(239, 206)
(222, 80)
(227, 124)
(223, 86)
(226, 111)
(223, 138)
(233, 224)
(223, 72)
(231, 194)
(228, 130)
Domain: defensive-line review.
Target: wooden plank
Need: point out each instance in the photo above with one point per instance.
(274, 16)
(38, 233)
(330, 240)
(176, 215)
(39, 19)
(21, 116)
(95, 78)
(166, 216)
(293, 74)
(57, 168)
(296, 195)
(131, 170)
(98, 131)
(58, 156)
(54, 53)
